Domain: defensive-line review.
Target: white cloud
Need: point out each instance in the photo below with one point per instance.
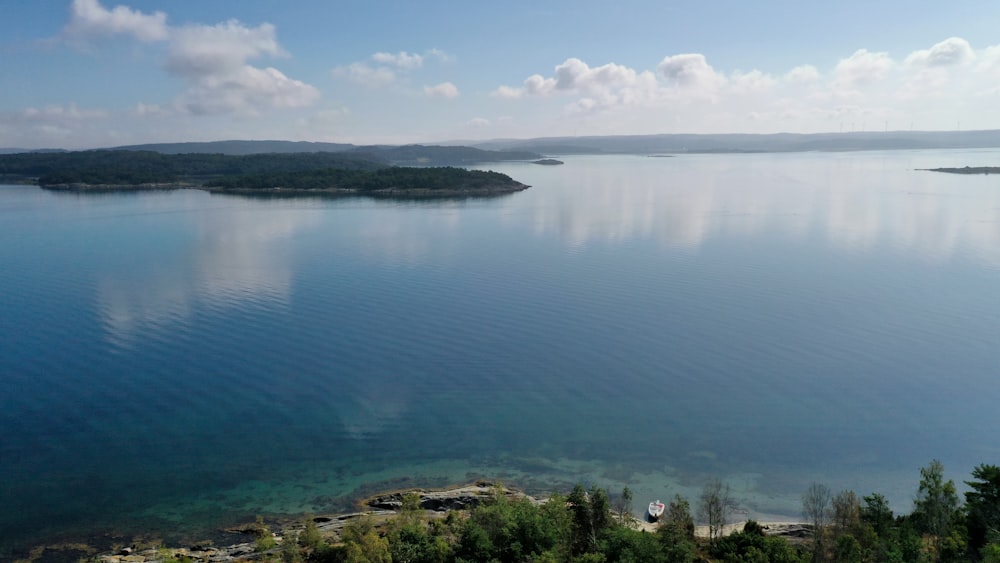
(864, 90)
(478, 122)
(360, 73)
(989, 60)
(211, 59)
(441, 55)
(401, 59)
(862, 68)
(612, 83)
(89, 19)
(751, 82)
(57, 113)
(246, 91)
(386, 68)
(148, 110)
(50, 124)
(691, 70)
(950, 52)
(508, 92)
(199, 50)
(802, 73)
(443, 90)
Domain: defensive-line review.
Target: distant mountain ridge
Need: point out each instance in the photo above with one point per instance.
(402, 155)
(465, 152)
(237, 147)
(750, 142)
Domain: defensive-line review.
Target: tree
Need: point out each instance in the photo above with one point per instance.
(584, 535)
(363, 544)
(816, 505)
(936, 506)
(625, 508)
(676, 532)
(600, 510)
(713, 504)
(816, 509)
(982, 503)
(677, 522)
(876, 512)
(846, 512)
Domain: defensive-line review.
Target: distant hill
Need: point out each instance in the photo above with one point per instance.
(736, 143)
(435, 155)
(235, 147)
(138, 167)
(11, 150)
(406, 155)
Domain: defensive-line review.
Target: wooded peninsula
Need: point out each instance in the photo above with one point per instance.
(372, 172)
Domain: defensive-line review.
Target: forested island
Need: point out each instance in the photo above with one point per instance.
(360, 173)
(967, 170)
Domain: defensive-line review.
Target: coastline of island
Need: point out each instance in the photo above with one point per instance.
(367, 173)
(270, 539)
(985, 170)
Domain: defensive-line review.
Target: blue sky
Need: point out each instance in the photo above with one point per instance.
(90, 73)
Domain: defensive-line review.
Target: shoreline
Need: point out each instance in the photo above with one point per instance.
(380, 508)
(483, 191)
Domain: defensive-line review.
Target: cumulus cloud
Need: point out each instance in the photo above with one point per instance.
(751, 82)
(862, 68)
(950, 52)
(443, 90)
(441, 55)
(147, 110)
(802, 73)
(360, 73)
(401, 59)
(606, 84)
(246, 90)
(989, 61)
(384, 68)
(222, 48)
(212, 59)
(478, 122)
(59, 114)
(864, 86)
(89, 19)
(690, 70)
(49, 124)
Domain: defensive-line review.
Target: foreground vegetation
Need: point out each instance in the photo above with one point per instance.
(585, 527)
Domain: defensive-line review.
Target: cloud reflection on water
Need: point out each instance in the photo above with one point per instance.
(854, 200)
(237, 256)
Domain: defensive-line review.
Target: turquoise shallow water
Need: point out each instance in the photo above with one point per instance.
(176, 360)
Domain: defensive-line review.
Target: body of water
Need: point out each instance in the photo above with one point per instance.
(174, 361)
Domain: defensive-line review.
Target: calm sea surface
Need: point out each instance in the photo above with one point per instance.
(174, 361)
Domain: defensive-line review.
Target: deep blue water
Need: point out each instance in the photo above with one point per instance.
(177, 360)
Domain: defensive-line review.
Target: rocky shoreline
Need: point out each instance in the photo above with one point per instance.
(462, 191)
(379, 509)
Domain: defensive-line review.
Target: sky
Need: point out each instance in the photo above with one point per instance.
(96, 73)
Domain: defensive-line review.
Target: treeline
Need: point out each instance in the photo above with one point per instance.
(941, 527)
(289, 171)
(585, 527)
(394, 178)
(140, 167)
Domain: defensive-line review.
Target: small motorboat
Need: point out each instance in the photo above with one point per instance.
(656, 509)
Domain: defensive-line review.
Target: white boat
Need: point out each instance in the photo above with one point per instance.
(656, 509)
